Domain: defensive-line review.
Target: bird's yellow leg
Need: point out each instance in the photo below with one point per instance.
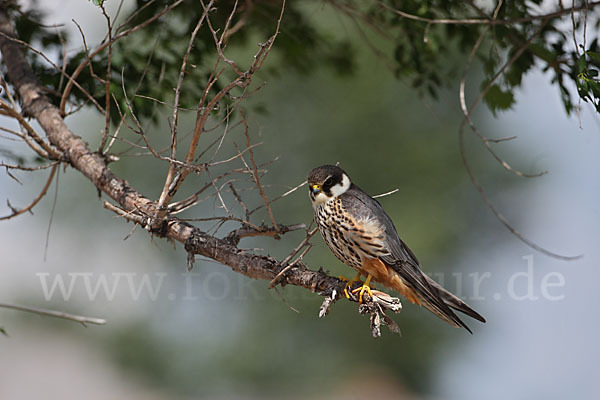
(364, 288)
(349, 283)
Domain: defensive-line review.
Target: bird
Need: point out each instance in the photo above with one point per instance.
(360, 233)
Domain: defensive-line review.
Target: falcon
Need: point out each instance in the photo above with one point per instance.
(361, 235)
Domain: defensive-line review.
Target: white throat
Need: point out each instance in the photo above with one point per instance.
(336, 191)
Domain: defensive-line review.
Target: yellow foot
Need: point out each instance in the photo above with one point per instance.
(364, 288)
(349, 283)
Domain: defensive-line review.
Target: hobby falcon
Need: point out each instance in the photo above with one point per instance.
(360, 233)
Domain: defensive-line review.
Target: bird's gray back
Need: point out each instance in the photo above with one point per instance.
(361, 205)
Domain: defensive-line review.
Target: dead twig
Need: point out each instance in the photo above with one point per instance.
(47, 150)
(292, 190)
(181, 78)
(489, 21)
(254, 172)
(309, 235)
(262, 230)
(107, 81)
(375, 306)
(56, 314)
(467, 120)
(175, 178)
(386, 193)
(72, 79)
(36, 200)
(275, 280)
(29, 169)
(56, 67)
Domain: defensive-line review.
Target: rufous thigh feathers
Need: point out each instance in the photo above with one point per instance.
(388, 277)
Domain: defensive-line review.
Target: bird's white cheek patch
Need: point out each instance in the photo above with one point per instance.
(340, 189)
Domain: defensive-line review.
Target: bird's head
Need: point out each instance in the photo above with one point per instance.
(327, 182)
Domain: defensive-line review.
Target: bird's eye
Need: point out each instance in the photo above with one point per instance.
(328, 181)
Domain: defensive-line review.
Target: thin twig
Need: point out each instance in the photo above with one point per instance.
(192, 200)
(303, 243)
(486, 21)
(52, 210)
(36, 200)
(29, 169)
(11, 112)
(106, 81)
(239, 200)
(273, 200)
(275, 280)
(79, 69)
(386, 193)
(467, 112)
(56, 314)
(184, 63)
(285, 301)
(481, 96)
(255, 172)
(57, 68)
(135, 94)
(250, 230)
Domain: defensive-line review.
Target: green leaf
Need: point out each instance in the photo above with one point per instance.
(3, 331)
(594, 56)
(515, 73)
(542, 52)
(498, 99)
(581, 63)
(583, 87)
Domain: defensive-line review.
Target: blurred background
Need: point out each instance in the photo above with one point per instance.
(215, 334)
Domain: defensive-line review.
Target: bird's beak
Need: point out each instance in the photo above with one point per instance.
(316, 189)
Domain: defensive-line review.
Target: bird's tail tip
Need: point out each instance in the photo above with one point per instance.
(457, 304)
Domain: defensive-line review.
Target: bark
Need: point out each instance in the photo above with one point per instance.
(93, 166)
(133, 206)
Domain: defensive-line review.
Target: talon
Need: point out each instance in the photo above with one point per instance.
(364, 288)
(349, 283)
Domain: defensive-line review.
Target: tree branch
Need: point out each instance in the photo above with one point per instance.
(132, 205)
(490, 21)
